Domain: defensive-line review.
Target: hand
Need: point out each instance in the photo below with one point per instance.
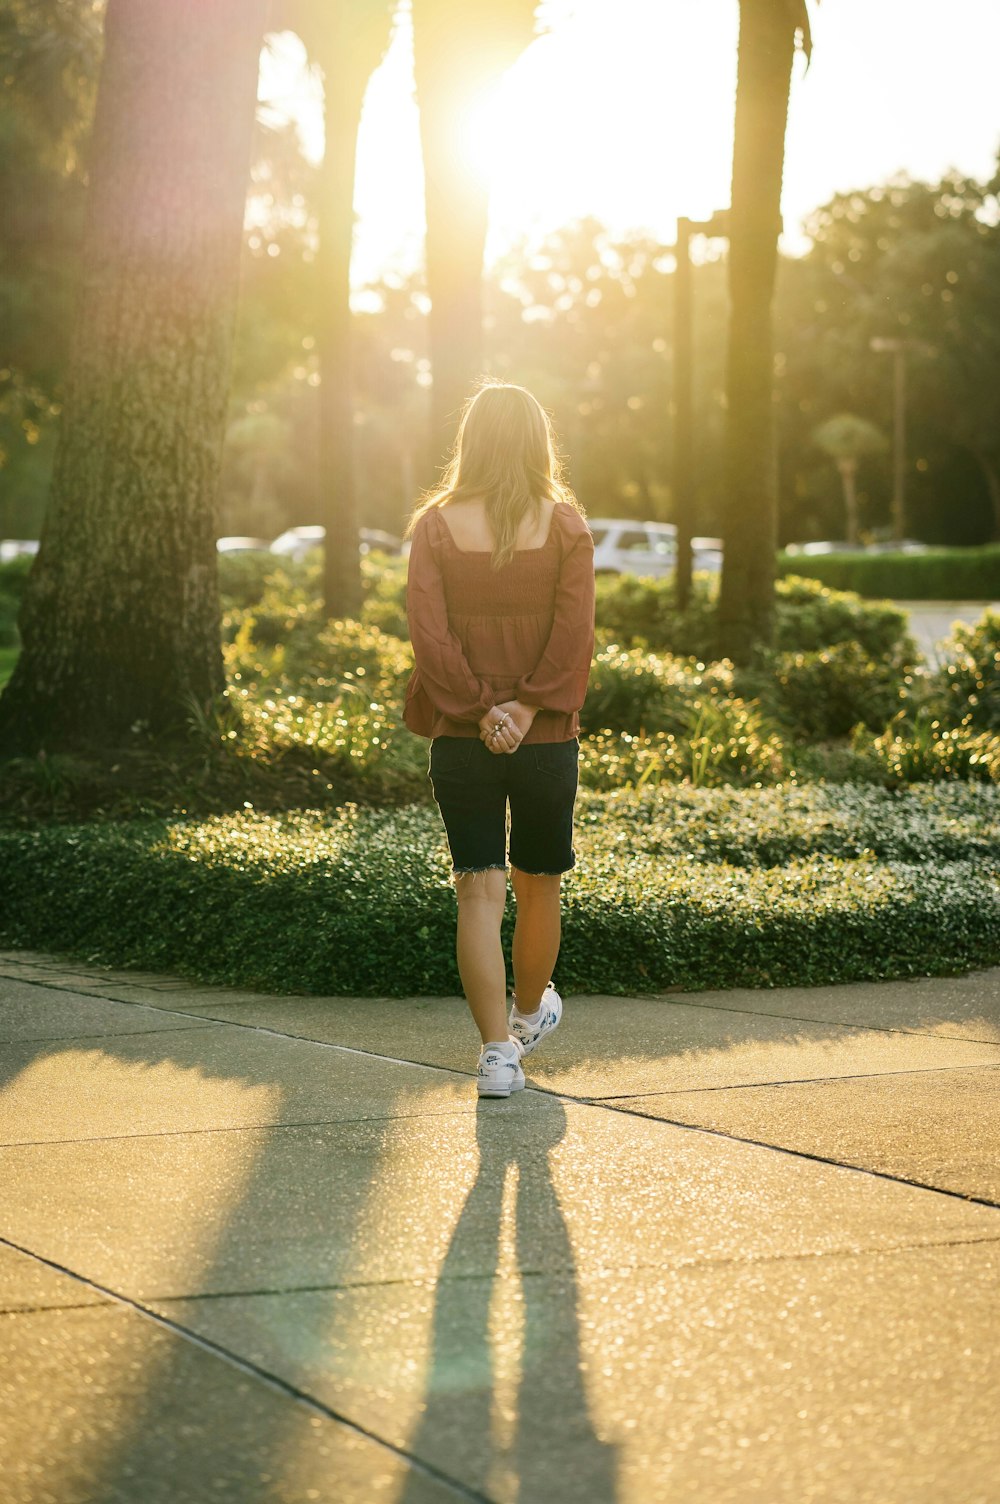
(499, 731)
(518, 722)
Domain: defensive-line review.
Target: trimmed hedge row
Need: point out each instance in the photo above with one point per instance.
(940, 574)
(696, 889)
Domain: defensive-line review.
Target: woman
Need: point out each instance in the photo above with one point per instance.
(500, 604)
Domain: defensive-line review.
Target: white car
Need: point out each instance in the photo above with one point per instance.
(622, 546)
(296, 542)
(14, 548)
(239, 545)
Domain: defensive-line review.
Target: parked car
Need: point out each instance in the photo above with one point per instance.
(238, 545)
(886, 546)
(811, 550)
(622, 546)
(903, 546)
(296, 542)
(13, 548)
(706, 553)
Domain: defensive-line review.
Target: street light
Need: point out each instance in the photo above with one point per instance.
(683, 403)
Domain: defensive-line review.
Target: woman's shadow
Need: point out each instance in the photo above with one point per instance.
(513, 1430)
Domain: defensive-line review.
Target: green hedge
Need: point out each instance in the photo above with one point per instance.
(696, 889)
(940, 574)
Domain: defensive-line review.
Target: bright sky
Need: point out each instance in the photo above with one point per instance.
(623, 110)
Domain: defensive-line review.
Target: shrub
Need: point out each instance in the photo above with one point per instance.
(826, 693)
(966, 687)
(642, 613)
(636, 691)
(720, 741)
(913, 749)
(384, 606)
(940, 574)
(360, 901)
(244, 578)
(810, 616)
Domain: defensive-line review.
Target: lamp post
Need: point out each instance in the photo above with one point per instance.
(683, 395)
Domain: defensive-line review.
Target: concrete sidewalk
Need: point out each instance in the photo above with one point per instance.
(734, 1246)
(931, 622)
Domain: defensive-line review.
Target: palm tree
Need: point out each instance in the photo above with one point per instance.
(346, 40)
(120, 619)
(846, 438)
(768, 32)
(459, 50)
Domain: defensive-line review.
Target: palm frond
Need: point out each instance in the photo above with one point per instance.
(799, 12)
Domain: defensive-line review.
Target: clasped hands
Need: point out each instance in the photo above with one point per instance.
(502, 728)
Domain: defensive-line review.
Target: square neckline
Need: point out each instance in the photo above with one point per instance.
(487, 553)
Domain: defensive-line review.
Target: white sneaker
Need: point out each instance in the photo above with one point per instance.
(530, 1036)
(500, 1070)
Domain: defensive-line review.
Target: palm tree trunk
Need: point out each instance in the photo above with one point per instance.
(458, 51)
(120, 621)
(457, 214)
(746, 598)
(848, 473)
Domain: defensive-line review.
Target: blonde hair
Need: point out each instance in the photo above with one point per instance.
(505, 452)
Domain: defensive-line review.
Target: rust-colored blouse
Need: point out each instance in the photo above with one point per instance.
(482, 636)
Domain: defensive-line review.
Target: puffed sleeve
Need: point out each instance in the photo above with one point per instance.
(437, 653)
(559, 679)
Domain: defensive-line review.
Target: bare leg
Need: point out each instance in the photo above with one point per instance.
(536, 935)
(481, 900)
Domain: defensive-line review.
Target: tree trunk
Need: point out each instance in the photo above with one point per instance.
(458, 52)
(342, 592)
(347, 41)
(457, 208)
(120, 621)
(746, 597)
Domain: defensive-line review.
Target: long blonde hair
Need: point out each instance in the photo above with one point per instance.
(505, 452)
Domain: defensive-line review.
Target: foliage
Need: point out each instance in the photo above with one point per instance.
(917, 748)
(825, 693)
(244, 578)
(313, 713)
(631, 690)
(642, 612)
(966, 687)
(700, 889)
(810, 615)
(718, 741)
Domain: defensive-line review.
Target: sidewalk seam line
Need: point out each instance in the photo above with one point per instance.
(124, 1138)
(246, 1365)
(10, 1044)
(683, 1091)
(837, 1164)
(680, 1000)
(604, 1105)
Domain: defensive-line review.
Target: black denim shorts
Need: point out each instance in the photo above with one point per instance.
(472, 787)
